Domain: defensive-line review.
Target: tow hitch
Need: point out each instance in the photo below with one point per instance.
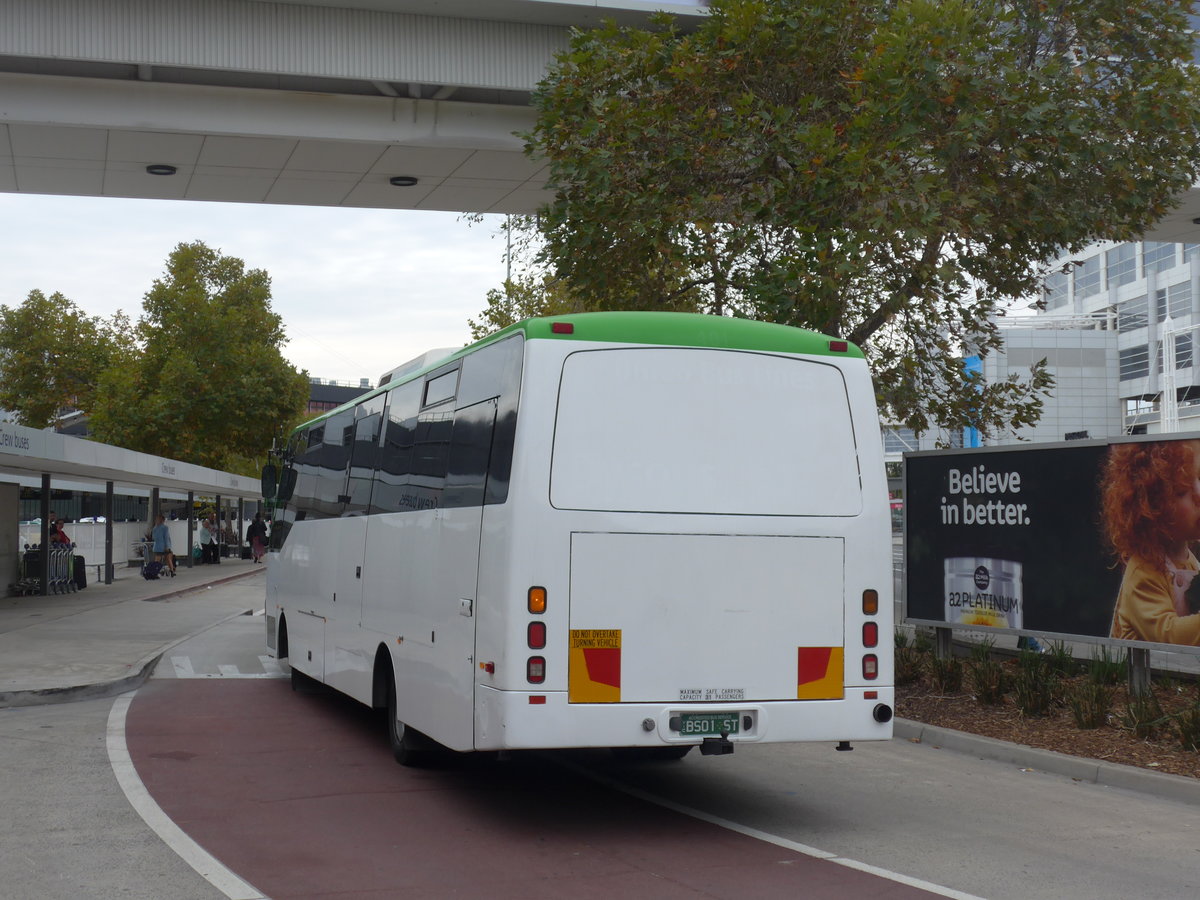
(716, 746)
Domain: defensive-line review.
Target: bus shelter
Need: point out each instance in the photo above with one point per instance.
(27, 453)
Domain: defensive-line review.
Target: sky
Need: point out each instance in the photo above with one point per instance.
(359, 290)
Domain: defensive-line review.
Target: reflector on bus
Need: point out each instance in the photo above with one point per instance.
(537, 600)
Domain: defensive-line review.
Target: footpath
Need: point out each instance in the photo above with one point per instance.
(106, 639)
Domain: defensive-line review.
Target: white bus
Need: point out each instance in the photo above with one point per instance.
(630, 530)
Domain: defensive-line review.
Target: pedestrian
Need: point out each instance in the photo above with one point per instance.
(208, 546)
(161, 536)
(256, 534)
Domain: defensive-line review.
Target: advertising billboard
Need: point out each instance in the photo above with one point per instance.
(1080, 539)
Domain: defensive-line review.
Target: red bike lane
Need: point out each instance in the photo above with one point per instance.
(299, 796)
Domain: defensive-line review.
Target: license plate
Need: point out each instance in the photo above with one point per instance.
(708, 724)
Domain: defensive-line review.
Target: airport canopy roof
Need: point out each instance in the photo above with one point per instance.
(28, 451)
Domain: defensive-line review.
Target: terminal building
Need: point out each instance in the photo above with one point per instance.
(1119, 332)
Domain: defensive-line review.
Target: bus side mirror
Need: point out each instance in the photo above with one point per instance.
(287, 484)
(270, 477)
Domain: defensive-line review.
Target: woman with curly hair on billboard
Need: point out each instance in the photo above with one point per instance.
(1151, 502)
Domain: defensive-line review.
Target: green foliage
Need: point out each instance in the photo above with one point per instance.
(1090, 703)
(210, 385)
(909, 659)
(52, 356)
(1035, 689)
(946, 674)
(1188, 724)
(532, 291)
(1105, 667)
(923, 641)
(895, 173)
(989, 682)
(1144, 715)
(1059, 658)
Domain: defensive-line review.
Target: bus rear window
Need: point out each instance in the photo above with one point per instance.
(682, 430)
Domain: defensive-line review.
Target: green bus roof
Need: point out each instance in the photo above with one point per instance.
(663, 328)
(682, 330)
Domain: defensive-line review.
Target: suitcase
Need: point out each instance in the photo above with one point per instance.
(151, 570)
(80, 573)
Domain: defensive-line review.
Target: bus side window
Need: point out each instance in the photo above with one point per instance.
(333, 456)
(393, 474)
(494, 372)
(364, 451)
(304, 461)
(431, 453)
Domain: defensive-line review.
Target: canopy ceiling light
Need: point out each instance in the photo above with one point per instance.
(402, 180)
(160, 169)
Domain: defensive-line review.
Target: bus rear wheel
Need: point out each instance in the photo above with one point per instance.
(409, 747)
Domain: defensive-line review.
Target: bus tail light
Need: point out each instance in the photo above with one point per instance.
(870, 602)
(535, 669)
(537, 600)
(870, 667)
(839, 347)
(870, 634)
(537, 635)
(562, 328)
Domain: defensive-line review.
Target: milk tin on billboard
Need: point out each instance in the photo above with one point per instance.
(984, 591)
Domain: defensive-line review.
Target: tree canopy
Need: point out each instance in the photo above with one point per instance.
(52, 356)
(894, 172)
(209, 385)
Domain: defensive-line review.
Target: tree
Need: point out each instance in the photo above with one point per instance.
(532, 291)
(894, 172)
(52, 356)
(210, 385)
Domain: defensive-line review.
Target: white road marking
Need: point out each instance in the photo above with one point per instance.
(768, 837)
(152, 814)
(183, 669)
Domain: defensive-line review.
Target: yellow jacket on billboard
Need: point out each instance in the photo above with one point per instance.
(1146, 607)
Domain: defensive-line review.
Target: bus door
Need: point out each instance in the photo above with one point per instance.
(456, 574)
(347, 667)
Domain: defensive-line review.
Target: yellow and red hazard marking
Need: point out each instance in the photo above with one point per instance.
(819, 672)
(594, 666)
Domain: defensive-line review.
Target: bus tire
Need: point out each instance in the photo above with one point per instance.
(409, 747)
(301, 683)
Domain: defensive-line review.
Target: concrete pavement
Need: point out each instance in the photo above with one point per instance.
(106, 638)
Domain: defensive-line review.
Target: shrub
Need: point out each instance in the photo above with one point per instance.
(946, 674)
(1105, 667)
(982, 651)
(1188, 724)
(910, 664)
(1032, 661)
(1060, 659)
(1144, 715)
(923, 641)
(1090, 704)
(1035, 690)
(989, 682)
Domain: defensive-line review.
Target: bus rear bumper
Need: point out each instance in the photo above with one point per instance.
(526, 720)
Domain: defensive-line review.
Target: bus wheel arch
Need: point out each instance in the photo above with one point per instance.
(282, 648)
(409, 746)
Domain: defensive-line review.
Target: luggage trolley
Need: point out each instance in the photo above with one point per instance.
(60, 578)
